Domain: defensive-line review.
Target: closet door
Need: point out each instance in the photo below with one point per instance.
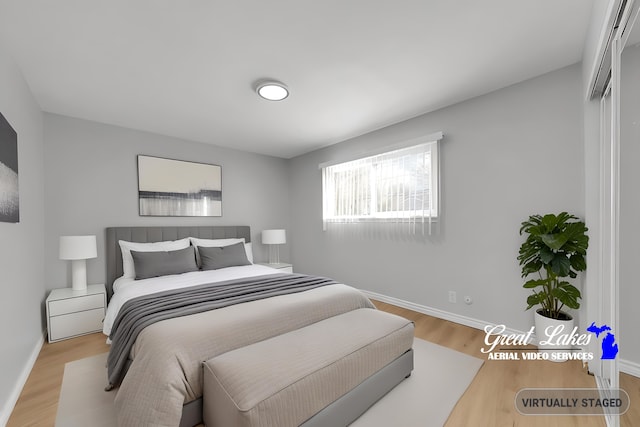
(629, 291)
(612, 177)
(619, 203)
(604, 371)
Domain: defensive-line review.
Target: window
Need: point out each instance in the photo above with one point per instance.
(399, 185)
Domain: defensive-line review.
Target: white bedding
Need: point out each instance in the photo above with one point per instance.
(126, 288)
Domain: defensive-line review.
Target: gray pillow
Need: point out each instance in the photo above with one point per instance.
(213, 258)
(164, 263)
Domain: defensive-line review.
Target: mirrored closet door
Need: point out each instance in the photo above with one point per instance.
(619, 225)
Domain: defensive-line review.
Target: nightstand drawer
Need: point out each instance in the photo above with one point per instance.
(283, 266)
(82, 322)
(71, 305)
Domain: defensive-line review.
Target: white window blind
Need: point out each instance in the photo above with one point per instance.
(399, 186)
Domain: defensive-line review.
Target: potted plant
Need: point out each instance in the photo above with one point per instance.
(555, 249)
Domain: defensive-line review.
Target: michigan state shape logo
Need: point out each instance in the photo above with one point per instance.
(608, 343)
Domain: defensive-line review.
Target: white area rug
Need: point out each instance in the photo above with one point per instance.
(83, 401)
(425, 399)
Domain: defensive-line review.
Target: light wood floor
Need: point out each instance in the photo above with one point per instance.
(489, 400)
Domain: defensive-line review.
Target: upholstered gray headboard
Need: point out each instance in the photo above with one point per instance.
(158, 234)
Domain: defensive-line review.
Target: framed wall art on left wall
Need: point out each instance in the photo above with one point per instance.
(9, 194)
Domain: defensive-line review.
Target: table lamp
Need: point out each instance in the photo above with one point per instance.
(273, 238)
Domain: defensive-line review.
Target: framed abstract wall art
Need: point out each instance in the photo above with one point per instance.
(168, 187)
(9, 194)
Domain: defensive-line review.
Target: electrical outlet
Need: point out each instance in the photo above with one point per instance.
(452, 297)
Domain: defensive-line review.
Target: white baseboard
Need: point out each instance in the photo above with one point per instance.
(7, 408)
(441, 314)
(628, 367)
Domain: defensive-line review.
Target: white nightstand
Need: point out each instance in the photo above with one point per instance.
(71, 313)
(287, 268)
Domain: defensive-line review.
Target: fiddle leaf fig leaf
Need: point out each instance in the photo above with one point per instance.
(561, 265)
(546, 255)
(555, 241)
(578, 262)
(567, 294)
(549, 222)
(531, 267)
(535, 299)
(534, 283)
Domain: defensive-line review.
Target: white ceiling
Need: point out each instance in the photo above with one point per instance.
(185, 68)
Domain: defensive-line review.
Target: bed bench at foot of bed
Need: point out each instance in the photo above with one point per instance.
(325, 374)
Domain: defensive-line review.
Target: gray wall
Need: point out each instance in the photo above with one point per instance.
(22, 244)
(506, 155)
(92, 183)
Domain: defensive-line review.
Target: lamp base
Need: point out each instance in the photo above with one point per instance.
(79, 275)
(274, 254)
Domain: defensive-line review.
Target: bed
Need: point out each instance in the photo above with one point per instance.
(160, 373)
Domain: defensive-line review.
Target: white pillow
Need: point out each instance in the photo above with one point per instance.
(120, 282)
(128, 268)
(218, 243)
(215, 243)
(249, 250)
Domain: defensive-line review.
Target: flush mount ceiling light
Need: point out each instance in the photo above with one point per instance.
(272, 90)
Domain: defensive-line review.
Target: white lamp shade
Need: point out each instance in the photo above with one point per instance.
(274, 237)
(78, 247)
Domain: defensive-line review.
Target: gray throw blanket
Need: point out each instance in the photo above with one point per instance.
(140, 312)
